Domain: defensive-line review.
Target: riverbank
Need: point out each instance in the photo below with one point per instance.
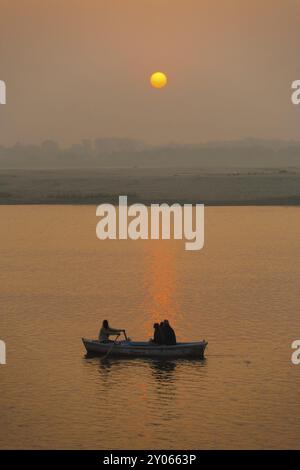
(222, 187)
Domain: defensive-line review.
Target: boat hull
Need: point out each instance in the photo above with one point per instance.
(144, 349)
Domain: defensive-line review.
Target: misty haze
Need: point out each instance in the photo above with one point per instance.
(242, 172)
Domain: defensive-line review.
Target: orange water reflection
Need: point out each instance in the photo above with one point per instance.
(162, 281)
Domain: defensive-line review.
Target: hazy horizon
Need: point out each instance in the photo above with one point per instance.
(131, 153)
(230, 67)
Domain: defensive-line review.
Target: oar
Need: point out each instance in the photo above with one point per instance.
(109, 351)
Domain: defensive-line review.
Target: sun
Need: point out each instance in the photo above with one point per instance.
(158, 80)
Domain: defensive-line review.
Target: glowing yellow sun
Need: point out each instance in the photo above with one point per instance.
(158, 80)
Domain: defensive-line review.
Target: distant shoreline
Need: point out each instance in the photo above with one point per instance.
(275, 203)
(219, 187)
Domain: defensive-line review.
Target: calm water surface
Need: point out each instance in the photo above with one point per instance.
(241, 293)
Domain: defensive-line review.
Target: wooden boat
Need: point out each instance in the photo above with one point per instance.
(145, 349)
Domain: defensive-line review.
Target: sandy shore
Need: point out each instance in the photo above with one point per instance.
(222, 187)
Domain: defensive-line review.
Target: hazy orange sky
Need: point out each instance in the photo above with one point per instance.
(80, 69)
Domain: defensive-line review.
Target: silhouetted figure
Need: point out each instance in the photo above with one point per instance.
(168, 334)
(157, 338)
(106, 332)
(162, 332)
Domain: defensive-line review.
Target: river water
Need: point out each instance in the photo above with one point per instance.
(241, 293)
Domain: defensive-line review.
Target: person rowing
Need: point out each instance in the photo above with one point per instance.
(106, 331)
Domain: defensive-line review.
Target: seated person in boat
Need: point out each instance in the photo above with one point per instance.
(106, 332)
(168, 334)
(162, 333)
(157, 337)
